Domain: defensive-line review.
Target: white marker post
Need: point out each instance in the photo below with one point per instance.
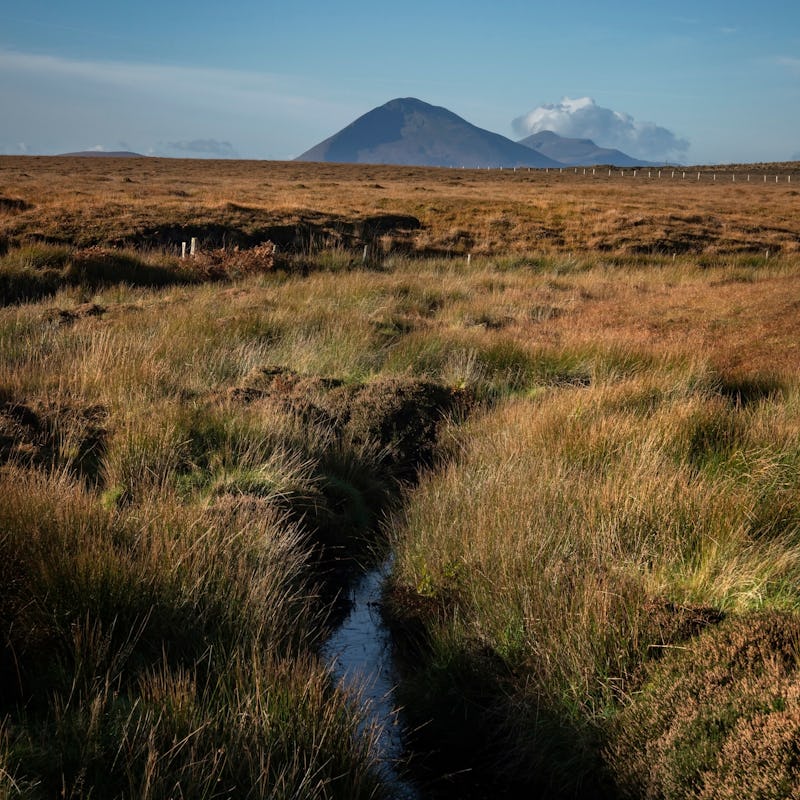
(183, 250)
(193, 246)
(364, 255)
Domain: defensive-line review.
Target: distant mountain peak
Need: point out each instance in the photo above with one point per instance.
(579, 152)
(409, 131)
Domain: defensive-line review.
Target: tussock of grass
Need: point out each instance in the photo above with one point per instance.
(554, 555)
(166, 646)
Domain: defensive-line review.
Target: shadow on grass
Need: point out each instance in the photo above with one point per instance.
(32, 273)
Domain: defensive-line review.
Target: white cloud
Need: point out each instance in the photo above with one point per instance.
(582, 118)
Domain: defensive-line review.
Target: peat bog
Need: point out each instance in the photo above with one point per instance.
(564, 405)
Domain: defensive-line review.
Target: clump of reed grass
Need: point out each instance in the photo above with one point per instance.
(558, 549)
(167, 646)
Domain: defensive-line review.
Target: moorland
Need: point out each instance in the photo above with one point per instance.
(566, 403)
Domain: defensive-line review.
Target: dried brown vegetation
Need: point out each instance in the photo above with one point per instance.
(597, 579)
(158, 202)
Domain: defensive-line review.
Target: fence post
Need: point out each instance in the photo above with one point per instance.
(183, 249)
(193, 246)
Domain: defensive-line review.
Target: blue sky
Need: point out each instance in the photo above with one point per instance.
(698, 82)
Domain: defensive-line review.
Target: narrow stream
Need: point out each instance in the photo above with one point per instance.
(359, 653)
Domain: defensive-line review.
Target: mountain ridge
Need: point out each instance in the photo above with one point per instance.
(581, 152)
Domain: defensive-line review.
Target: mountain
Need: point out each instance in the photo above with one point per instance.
(103, 154)
(408, 131)
(580, 152)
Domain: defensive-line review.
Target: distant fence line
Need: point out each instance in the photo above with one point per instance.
(668, 173)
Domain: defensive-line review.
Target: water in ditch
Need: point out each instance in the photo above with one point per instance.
(360, 654)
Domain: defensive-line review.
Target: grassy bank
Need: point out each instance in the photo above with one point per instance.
(180, 508)
(602, 585)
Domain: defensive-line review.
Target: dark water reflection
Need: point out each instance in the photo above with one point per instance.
(359, 653)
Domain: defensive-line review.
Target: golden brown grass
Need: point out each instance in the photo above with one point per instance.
(191, 449)
(160, 202)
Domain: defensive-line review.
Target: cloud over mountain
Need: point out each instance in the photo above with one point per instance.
(582, 118)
